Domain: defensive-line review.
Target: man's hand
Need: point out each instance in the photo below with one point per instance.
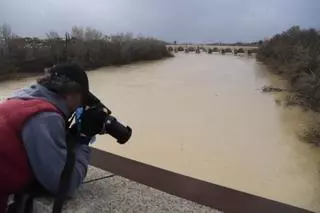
(73, 133)
(92, 122)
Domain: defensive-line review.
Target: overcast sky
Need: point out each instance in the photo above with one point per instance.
(181, 20)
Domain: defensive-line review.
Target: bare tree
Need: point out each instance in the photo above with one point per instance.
(5, 36)
(56, 45)
(52, 35)
(77, 32)
(86, 46)
(92, 34)
(5, 32)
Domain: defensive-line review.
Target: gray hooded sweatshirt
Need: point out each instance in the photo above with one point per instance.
(44, 138)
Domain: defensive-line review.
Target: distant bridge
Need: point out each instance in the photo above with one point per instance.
(213, 48)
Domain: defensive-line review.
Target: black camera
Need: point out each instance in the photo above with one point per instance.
(117, 130)
(112, 126)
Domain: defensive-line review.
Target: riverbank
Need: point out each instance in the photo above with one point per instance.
(294, 55)
(87, 47)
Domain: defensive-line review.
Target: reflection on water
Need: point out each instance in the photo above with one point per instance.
(204, 116)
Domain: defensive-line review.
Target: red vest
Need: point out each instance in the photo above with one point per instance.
(15, 171)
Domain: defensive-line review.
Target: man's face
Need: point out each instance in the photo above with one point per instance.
(73, 101)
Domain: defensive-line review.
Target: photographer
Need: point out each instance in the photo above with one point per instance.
(34, 128)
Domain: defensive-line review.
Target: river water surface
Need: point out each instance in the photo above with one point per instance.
(204, 116)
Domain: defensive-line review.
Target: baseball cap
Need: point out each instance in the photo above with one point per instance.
(75, 73)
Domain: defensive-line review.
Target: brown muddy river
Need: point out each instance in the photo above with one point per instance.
(204, 116)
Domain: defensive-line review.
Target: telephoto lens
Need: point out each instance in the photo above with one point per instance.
(117, 130)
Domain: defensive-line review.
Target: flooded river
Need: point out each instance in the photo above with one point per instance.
(204, 116)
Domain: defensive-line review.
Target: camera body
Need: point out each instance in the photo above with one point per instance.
(112, 126)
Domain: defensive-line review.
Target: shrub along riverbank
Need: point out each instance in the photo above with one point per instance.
(295, 55)
(87, 47)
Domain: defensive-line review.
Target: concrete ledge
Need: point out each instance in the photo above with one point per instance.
(145, 188)
(202, 192)
(117, 194)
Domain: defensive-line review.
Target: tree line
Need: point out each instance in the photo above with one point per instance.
(86, 46)
(295, 55)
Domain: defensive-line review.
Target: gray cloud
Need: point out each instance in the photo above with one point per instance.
(182, 20)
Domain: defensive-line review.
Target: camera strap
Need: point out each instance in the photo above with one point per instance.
(22, 202)
(65, 175)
